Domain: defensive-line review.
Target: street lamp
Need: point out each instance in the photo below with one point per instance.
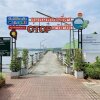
(41, 43)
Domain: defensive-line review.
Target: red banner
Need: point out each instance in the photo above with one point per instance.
(45, 29)
(66, 27)
(40, 29)
(17, 27)
(61, 19)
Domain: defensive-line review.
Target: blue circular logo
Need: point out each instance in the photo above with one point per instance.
(78, 23)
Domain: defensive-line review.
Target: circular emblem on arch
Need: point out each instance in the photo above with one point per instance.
(78, 23)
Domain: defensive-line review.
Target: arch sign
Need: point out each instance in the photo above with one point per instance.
(22, 23)
(78, 22)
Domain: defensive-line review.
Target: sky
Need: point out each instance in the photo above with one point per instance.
(54, 8)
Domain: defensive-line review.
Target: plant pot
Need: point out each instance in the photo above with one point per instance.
(68, 70)
(15, 74)
(78, 74)
(24, 71)
(2, 82)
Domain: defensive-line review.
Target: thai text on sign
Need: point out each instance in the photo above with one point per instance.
(14, 20)
(17, 27)
(66, 27)
(61, 19)
(45, 29)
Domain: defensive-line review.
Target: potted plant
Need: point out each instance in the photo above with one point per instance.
(15, 65)
(68, 62)
(78, 64)
(24, 69)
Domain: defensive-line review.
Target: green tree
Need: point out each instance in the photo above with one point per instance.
(15, 54)
(25, 57)
(85, 24)
(78, 60)
(15, 65)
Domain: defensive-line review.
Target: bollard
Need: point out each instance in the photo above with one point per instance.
(32, 59)
(37, 57)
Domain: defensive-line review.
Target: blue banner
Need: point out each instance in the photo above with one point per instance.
(14, 20)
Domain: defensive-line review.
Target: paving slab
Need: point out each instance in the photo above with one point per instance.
(46, 88)
(93, 84)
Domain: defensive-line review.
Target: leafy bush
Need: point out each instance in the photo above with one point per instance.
(85, 65)
(15, 54)
(25, 57)
(78, 60)
(15, 65)
(93, 70)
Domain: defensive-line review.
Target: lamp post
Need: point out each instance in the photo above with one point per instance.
(41, 43)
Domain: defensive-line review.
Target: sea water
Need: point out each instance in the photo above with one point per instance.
(6, 61)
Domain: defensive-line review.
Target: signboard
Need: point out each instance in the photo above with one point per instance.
(45, 29)
(11, 20)
(66, 27)
(78, 22)
(38, 29)
(91, 42)
(4, 46)
(61, 19)
(17, 27)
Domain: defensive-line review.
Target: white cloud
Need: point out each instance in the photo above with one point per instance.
(51, 7)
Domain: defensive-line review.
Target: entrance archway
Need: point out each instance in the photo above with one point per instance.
(73, 25)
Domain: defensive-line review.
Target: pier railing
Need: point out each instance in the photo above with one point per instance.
(61, 56)
(35, 59)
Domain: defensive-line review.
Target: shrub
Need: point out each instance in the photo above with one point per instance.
(93, 70)
(78, 60)
(90, 70)
(25, 57)
(15, 64)
(85, 65)
(15, 54)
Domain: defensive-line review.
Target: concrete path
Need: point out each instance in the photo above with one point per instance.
(49, 66)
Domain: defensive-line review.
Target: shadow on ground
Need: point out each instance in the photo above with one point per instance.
(5, 93)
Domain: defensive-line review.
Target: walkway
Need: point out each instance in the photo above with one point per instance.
(49, 66)
(42, 86)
